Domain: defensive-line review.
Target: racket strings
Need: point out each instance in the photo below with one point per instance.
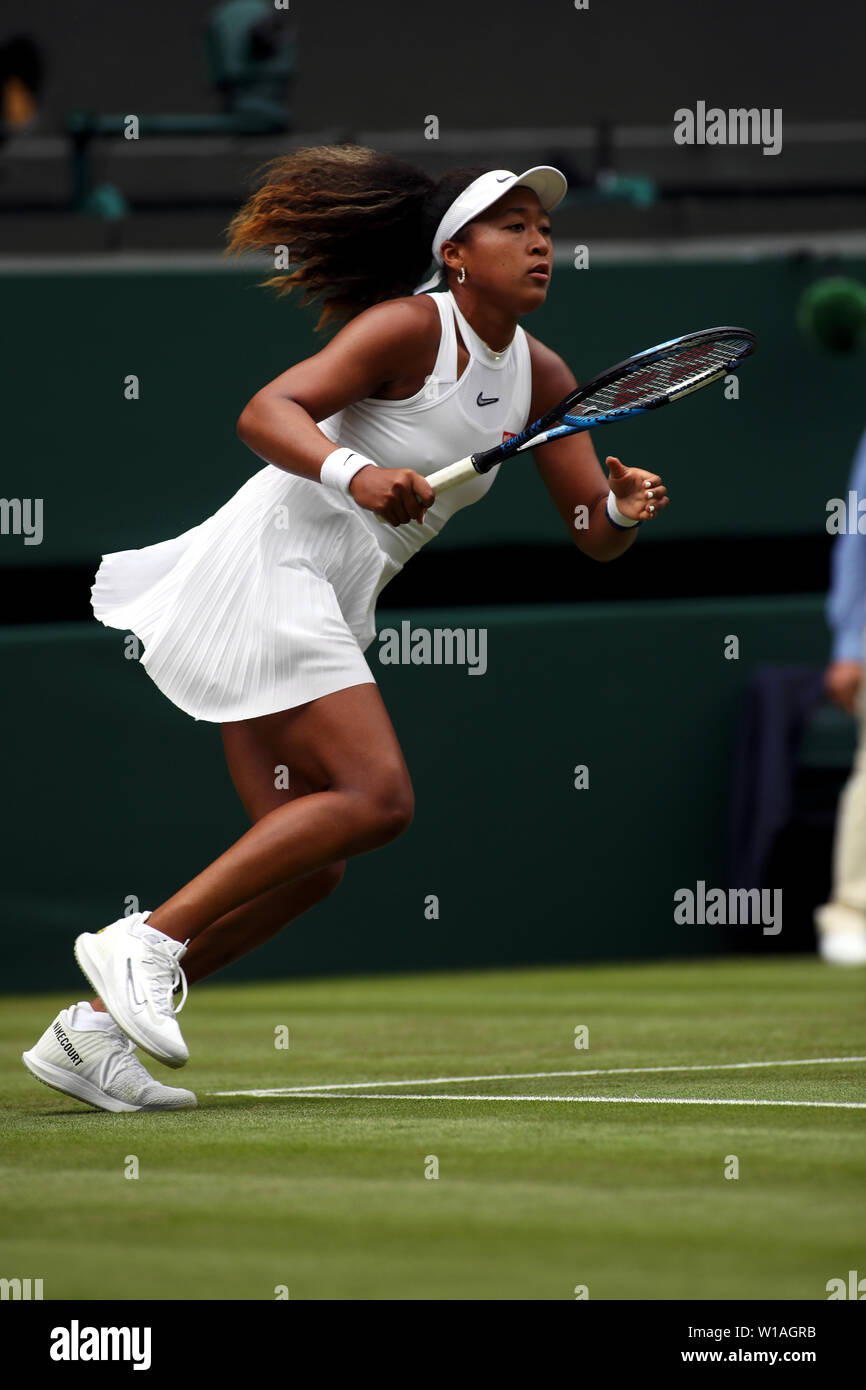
(685, 366)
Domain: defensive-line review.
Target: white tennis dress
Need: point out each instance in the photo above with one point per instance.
(271, 601)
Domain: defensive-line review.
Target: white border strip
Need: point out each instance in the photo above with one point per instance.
(536, 1075)
(602, 1100)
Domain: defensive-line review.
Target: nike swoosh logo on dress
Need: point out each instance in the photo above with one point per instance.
(489, 400)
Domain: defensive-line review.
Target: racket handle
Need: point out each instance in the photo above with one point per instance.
(452, 476)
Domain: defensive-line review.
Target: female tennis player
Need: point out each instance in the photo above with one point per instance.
(258, 618)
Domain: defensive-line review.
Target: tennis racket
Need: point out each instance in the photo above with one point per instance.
(644, 382)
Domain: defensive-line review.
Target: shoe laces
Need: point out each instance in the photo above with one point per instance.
(169, 977)
(127, 1060)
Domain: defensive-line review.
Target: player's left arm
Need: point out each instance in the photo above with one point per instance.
(572, 474)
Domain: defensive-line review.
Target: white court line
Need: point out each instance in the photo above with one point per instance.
(534, 1075)
(602, 1100)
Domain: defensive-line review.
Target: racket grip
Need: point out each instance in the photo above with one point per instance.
(452, 476)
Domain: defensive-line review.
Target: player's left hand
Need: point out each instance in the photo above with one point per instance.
(639, 494)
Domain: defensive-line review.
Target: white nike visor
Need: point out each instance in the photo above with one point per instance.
(549, 183)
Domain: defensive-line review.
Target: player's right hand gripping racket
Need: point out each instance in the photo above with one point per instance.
(644, 382)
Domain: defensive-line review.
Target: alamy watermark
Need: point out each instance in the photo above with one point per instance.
(854, 1287)
(22, 516)
(77, 1343)
(20, 1289)
(846, 518)
(733, 907)
(438, 646)
(737, 126)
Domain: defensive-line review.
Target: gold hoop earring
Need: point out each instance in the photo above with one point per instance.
(462, 276)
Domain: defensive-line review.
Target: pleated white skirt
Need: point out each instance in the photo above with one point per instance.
(267, 604)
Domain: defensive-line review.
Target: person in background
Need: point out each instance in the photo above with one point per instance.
(841, 922)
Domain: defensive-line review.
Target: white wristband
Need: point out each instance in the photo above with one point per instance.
(340, 467)
(616, 517)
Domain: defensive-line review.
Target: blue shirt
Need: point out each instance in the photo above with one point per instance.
(846, 602)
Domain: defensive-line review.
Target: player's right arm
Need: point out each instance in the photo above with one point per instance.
(380, 348)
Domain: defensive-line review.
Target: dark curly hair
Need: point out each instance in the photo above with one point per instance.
(358, 224)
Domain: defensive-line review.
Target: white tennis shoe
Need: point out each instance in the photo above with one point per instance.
(135, 970)
(841, 934)
(84, 1054)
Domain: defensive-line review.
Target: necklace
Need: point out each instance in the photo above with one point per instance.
(496, 355)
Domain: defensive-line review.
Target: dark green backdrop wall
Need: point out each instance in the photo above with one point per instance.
(115, 473)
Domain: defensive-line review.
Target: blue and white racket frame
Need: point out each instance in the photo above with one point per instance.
(734, 346)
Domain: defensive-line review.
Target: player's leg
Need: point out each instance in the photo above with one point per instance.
(84, 1054)
(841, 922)
(343, 744)
(237, 933)
(252, 762)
